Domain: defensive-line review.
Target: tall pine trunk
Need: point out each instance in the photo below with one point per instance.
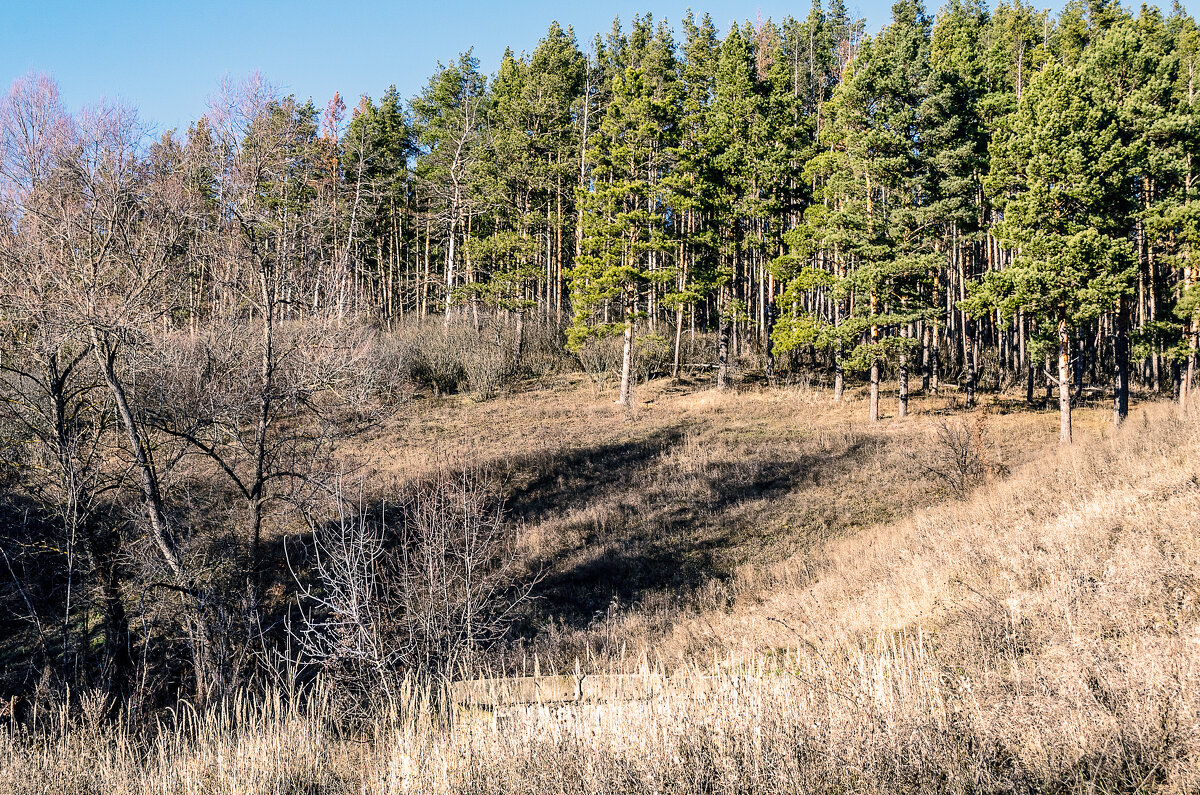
(1185, 383)
(1064, 382)
(935, 362)
(519, 340)
(769, 313)
(723, 353)
(678, 341)
(925, 334)
(839, 374)
(1121, 365)
(625, 398)
(969, 354)
(874, 408)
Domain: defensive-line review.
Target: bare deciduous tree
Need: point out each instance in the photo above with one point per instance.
(418, 587)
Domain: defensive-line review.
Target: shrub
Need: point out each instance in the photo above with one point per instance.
(545, 351)
(652, 357)
(462, 357)
(415, 587)
(956, 457)
(600, 358)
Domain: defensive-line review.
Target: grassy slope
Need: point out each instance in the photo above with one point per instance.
(1043, 635)
(660, 503)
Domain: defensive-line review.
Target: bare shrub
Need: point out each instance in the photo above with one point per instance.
(544, 351)
(452, 358)
(485, 362)
(433, 361)
(600, 358)
(652, 356)
(418, 587)
(462, 358)
(955, 458)
(391, 380)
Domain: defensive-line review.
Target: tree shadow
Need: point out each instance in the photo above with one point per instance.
(626, 535)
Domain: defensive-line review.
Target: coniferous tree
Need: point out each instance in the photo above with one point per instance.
(734, 112)
(448, 119)
(1060, 174)
(692, 183)
(623, 218)
(876, 169)
(378, 143)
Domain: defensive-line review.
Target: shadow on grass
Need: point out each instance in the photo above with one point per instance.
(625, 534)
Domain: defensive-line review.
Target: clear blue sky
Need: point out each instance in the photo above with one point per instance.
(167, 57)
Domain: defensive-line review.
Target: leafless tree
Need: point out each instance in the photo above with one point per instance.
(418, 587)
(96, 236)
(233, 390)
(50, 390)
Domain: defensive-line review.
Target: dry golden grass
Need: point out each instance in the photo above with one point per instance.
(1043, 635)
(659, 507)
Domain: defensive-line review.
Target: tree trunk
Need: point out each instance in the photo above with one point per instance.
(155, 506)
(1064, 383)
(519, 340)
(116, 621)
(1049, 383)
(449, 273)
(1077, 370)
(874, 407)
(935, 363)
(678, 341)
(902, 377)
(925, 334)
(266, 396)
(839, 374)
(1185, 388)
(156, 511)
(625, 398)
(1031, 372)
(769, 312)
(723, 353)
(1121, 365)
(969, 354)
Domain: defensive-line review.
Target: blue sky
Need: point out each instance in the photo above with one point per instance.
(166, 58)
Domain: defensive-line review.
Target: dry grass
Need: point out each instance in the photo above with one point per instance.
(1042, 636)
(647, 512)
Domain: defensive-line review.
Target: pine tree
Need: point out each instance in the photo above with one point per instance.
(623, 212)
(378, 143)
(734, 112)
(1061, 173)
(954, 137)
(878, 180)
(692, 183)
(448, 122)
(1180, 212)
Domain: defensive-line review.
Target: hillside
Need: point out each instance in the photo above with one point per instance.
(803, 404)
(664, 504)
(1042, 634)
